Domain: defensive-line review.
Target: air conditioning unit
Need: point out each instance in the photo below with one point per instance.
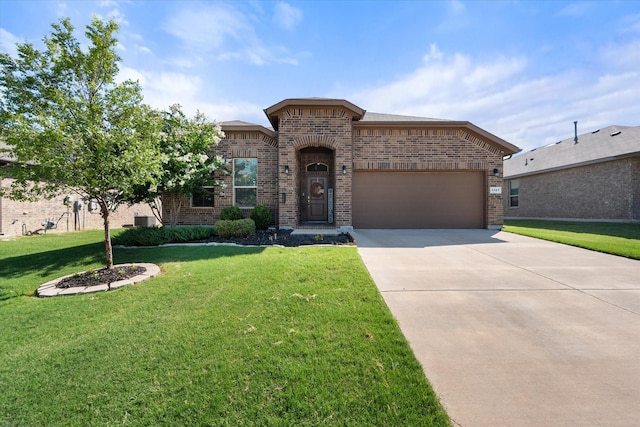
(144, 221)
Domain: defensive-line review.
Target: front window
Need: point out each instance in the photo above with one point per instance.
(245, 182)
(202, 198)
(514, 187)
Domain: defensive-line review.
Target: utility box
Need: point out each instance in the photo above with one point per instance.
(144, 221)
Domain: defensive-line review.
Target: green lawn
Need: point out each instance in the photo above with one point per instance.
(224, 336)
(614, 238)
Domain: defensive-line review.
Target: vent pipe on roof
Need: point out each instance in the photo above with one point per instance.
(575, 130)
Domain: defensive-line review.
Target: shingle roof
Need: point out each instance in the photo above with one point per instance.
(381, 117)
(594, 147)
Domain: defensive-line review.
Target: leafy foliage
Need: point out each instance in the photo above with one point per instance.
(261, 215)
(188, 162)
(238, 228)
(154, 236)
(231, 213)
(69, 127)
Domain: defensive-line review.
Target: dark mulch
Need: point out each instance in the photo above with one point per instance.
(101, 276)
(285, 238)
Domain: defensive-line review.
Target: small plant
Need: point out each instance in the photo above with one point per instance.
(261, 215)
(319, 237)
(239, 228)
(231, 213)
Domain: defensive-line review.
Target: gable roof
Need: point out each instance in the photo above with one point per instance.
(240, 126)
(602, 145)
(376, 120)
(272, 112)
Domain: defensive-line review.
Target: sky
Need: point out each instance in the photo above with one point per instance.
(522, 70)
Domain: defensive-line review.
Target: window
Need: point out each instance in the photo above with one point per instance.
(514, 187)
(245, 182)
(202, 198)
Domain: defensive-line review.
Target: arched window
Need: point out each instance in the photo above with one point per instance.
(317, 167)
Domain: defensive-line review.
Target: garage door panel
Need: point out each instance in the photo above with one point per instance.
(418, 200)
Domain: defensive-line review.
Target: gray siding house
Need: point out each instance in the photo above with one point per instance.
(593, 176)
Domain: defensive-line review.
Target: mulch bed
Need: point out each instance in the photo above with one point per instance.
(285, 238)
(100, 276)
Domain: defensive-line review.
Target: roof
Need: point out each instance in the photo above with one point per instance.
(381, 117)
(240, 126)
(373, 120)
(272, 112)
(602, 145)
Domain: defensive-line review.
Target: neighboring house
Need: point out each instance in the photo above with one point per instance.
(17, 218)
(593, 176)
(329, 163)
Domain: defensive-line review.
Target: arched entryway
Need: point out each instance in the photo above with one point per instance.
(316, 185)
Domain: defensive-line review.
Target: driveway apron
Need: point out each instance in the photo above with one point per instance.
(511, 330)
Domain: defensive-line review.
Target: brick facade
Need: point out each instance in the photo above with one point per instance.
(332, 133)
(416, 148)
(18, 216)
(603, 191)
(235, 144)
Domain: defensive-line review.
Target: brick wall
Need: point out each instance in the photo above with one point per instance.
(302, 127)
(14, 214)
(609, 190)
(249, 144)
(431, 149)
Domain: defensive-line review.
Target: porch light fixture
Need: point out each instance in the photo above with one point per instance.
(344, 169)
(496, 172)
(286, 169)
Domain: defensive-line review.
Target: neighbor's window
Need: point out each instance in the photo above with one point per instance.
(245, 182)
(514, 186)
(202, 198)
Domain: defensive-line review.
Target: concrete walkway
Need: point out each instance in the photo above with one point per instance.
(514, 331)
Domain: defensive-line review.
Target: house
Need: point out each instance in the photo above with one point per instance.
(64, 213)
(329, 163)
(593, 176)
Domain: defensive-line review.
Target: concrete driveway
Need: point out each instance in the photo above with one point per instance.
(514, 331)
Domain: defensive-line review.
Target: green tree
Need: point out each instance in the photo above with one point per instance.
(70, 127)
(188, 160)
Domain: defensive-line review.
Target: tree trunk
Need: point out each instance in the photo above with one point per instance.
(108, 249)
(174, 210)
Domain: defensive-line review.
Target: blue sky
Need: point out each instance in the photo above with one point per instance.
(522, 70)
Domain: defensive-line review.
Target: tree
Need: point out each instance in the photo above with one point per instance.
(70, 127)
(188, 160)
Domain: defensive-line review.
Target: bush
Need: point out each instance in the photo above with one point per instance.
(231, 213)
(239, 228)
(261, 215)
(154, 236)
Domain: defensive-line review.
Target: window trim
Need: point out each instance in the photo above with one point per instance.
(513, 196)
(235, 187)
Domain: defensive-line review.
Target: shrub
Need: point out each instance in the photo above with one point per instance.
(154, 236)
(231, 213)
(239, 228)
(261, 215)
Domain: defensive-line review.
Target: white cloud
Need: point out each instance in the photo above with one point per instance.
(498, 95)
(8, 42)
(162, 89)
(287, 16)
(225, 33)
(208, 28)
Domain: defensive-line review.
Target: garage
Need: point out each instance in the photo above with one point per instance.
(418, 199)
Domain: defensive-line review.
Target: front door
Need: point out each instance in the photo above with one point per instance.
(317, 198)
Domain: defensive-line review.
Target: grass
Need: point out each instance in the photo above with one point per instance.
(614, 238)
(224, 336)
